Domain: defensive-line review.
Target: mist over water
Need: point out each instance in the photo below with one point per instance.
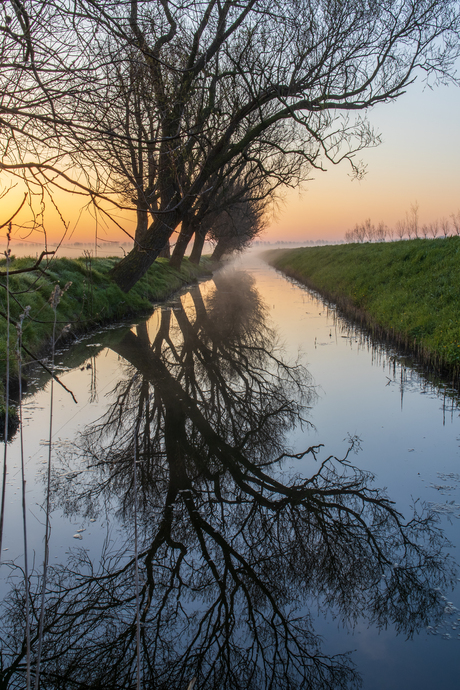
(214, 507)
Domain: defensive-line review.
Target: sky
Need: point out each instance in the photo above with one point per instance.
(418, 161)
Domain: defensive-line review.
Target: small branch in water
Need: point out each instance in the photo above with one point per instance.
(28, 352)
(35, 359)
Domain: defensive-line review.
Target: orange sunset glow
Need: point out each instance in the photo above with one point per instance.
(418, 161)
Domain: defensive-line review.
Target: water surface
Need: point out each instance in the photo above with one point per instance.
(216, 477)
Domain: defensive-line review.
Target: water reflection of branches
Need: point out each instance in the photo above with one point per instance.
(233, 552)
(217, 386)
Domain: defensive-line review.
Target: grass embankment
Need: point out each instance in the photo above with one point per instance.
(92, 300)
(406, 291)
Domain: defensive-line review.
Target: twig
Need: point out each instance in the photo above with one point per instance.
(24, 514)
(7, 392)
(136, 556)
(54, 301)
(56, 378)
(29, 269)
(39, 361)
(8, 222)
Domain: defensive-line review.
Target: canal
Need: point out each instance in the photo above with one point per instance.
(248, 493)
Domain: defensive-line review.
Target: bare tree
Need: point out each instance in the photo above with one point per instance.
(369, 230)
(434, 228)
(445, 227)
(235, 228)
(210, 81)
(409, 227)
(400, 229)
(381, 232)
(359, 232)
(413, 220)
(262, 67)
(456, 222)
(44, 73)
(254, 180)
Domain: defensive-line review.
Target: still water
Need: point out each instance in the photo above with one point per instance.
(214, 518)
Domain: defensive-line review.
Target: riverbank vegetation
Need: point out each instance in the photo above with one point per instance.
(408, 292)
(86, 298)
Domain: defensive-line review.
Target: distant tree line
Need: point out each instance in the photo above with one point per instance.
(196, 116)
(409, 228)
(296, 243)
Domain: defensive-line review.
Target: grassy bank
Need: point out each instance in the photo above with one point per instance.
(91, 300)
(407, 291)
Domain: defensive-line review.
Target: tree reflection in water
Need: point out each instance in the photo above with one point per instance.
(235, 550)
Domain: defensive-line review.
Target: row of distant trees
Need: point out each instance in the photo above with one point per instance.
(195, 116)
(409, 228)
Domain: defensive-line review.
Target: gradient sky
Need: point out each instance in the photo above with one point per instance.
(418, 161)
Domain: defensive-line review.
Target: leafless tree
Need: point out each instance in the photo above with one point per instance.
(412, 221)
(211, 81)
(236, 227)
(400, 229)
(250, 66)
(409, 227)
(359, 232)
(254, 180)
(434, 228)
(42, 75)
(369, 230)
(381, 232)
(445, 227)
(456, 222)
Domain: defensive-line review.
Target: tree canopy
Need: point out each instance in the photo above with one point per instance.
(159, 101)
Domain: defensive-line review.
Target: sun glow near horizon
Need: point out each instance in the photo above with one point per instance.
(418, 161)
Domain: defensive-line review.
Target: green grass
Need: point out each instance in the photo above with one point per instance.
(408, 291)
(92, 299)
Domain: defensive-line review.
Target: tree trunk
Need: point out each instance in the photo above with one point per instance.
(198, 245)
(135, 264)
(183, 240)
(142, 224)
(166, 251)
(219, 251)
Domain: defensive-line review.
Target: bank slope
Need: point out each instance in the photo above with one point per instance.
(406, 291)
(91, 300)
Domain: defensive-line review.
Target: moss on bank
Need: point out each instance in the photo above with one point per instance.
(91, 300)
(406, 291)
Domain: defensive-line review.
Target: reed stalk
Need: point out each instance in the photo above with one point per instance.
(7, 392)
(24, 512)
(54, 301)
(136, 558)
